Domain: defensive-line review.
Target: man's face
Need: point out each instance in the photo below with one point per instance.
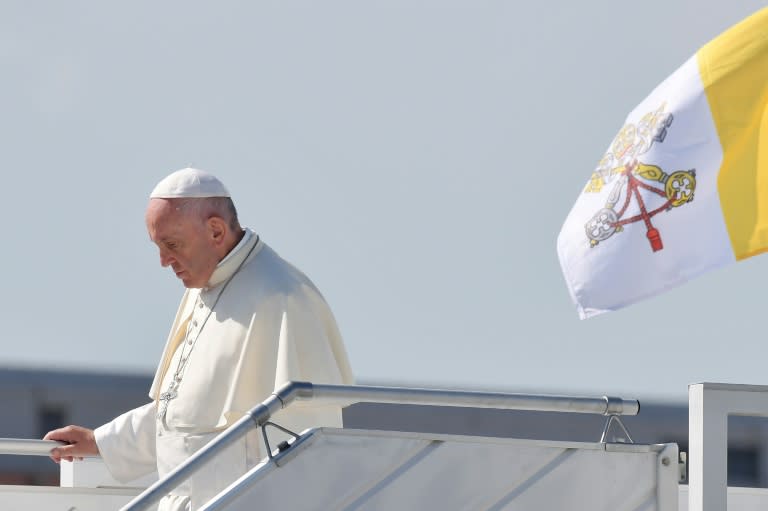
(184, 241)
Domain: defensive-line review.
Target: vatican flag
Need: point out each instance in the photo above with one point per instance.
(683, 188)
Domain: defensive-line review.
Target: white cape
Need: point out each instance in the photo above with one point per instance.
(269, 326)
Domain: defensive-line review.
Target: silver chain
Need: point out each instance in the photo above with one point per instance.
(178, 375)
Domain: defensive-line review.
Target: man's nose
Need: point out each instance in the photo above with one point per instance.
(165, 259)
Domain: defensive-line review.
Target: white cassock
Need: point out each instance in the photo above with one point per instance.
(270, 325)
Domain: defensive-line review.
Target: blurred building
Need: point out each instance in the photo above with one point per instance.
(36, 401)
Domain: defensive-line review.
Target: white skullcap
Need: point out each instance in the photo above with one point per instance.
(189, 183)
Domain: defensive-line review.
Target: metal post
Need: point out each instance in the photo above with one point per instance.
(708, 446)
(709, 406)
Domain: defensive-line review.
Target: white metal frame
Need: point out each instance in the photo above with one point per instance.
(666, 497)
(709, 405)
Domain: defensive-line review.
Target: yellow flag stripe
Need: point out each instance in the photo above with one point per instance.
(734, 73)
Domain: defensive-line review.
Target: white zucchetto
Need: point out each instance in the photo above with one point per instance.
(189, 183)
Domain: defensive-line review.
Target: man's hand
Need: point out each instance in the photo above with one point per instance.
(81, 443)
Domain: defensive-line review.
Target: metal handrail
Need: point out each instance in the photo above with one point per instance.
(291, 391)
(23, 446)
(344, 394)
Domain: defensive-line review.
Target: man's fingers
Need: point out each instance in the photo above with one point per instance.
(66, 434)
(57, 456)
(61, 452)
(51, 435)
(81, 442)
(67, 452)
(54, 453)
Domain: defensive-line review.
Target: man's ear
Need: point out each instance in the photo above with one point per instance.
(217, 229)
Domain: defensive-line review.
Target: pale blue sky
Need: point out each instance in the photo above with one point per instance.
(415, 158)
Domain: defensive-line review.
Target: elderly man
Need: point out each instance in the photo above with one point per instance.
(248, 322)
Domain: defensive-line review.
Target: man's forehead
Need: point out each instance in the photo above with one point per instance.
(164, 214)
(164, 207)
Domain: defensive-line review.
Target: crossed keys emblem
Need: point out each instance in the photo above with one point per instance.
(676, 189)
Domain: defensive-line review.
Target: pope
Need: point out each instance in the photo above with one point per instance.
(248, 322)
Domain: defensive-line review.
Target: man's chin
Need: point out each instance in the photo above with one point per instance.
(190, 284)
(186, 280)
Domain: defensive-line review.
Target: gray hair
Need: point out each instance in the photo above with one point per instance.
(205, 208)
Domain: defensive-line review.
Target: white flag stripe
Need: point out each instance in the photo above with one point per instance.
(622, 267)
